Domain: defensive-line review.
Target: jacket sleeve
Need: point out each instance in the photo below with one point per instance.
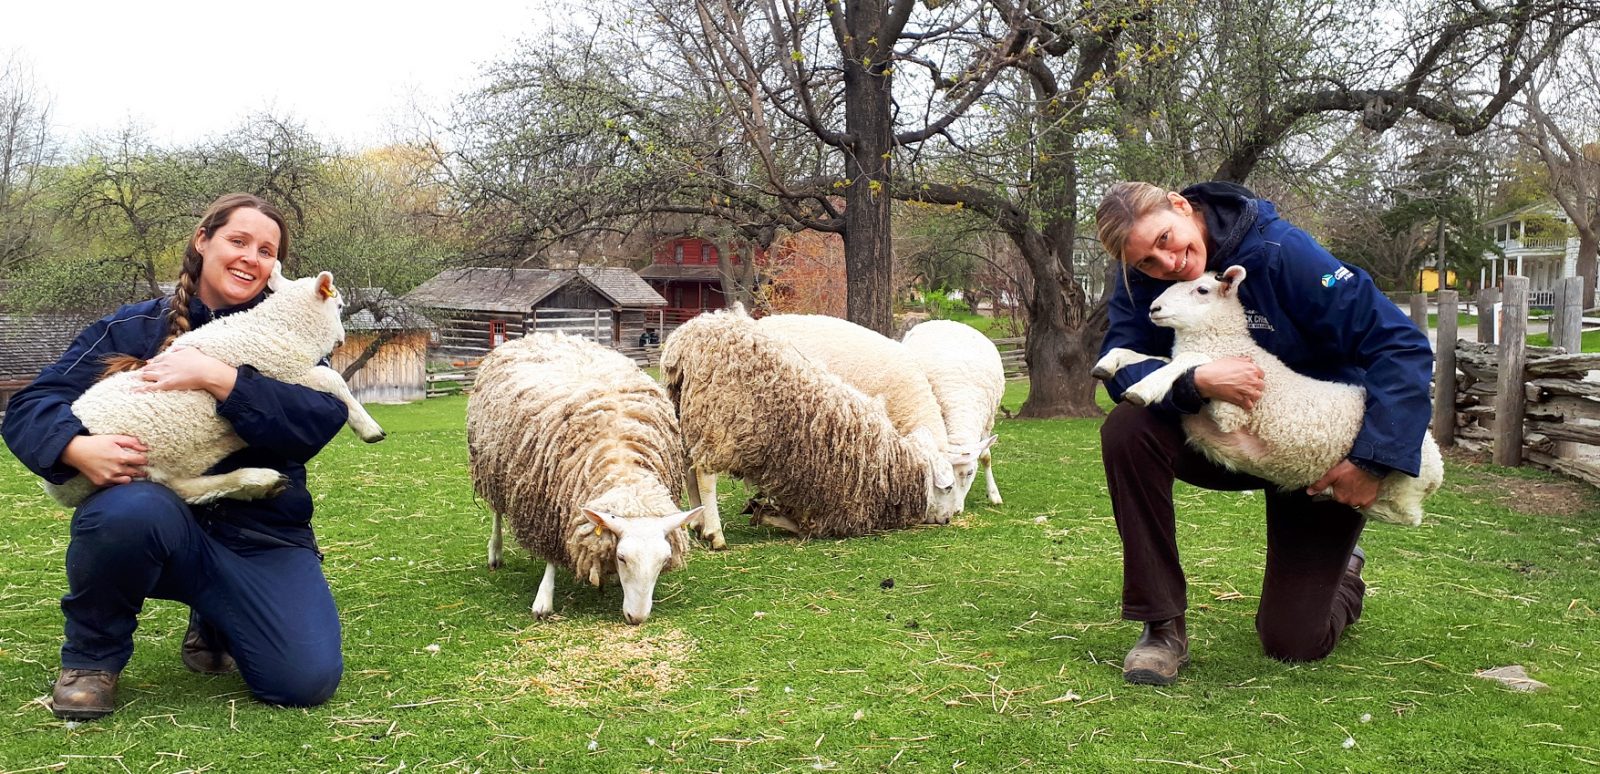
(39, 422)
(288, 419)
(1129, 327)
(1340, 307)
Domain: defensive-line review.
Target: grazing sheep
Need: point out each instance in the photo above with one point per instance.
(753, 407)
(579, 450)
(1299, 429)
(968, 380)
(283, 337)
(884, 368)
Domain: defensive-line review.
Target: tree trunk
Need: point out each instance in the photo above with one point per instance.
(868, 268)
(1588, 246)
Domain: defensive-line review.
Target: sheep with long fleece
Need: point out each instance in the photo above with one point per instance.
(580, 451)
(283, 337)
(884, 368)
(751, 406)
(968, 380)
(1299, 429)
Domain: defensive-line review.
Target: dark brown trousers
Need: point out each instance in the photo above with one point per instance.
(1307, 598)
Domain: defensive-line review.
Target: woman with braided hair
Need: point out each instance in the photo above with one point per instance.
(249, 570)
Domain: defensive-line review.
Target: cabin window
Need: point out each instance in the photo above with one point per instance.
(497, 333)
(677, 253)
(705, 253)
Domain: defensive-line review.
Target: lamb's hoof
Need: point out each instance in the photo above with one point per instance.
(718, 543)
(996, 500)
(495, 564)
(542, 613)
(1102, 373)
(1135, 398)
(277, 488)
(375, 437)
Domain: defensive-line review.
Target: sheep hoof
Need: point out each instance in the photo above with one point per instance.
(1102, 373)
(542, 613)
(374, 437)
(996, 500)
(718, 543)
(1135, 398)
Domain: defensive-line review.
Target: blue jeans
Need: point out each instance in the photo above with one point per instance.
(271, 604)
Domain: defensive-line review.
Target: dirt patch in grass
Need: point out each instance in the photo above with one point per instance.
(1533, 496)
(579, 665)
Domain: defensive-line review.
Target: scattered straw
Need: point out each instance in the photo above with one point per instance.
(598, 663)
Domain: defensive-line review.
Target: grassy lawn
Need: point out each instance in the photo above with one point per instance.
(997, 646)
(1590, 342)
(1461, 319)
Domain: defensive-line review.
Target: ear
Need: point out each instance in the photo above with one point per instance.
(681, 518)
(1232, 278)
(275, 281)
(1179, 203)
(603, 521)
(944, 479)
(325, 286)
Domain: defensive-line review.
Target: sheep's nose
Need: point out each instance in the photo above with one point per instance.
(1155, 308)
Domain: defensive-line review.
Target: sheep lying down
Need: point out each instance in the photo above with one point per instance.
(1299, 429)
(283, 337)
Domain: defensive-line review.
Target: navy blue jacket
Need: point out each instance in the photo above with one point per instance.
(1323, 318)
(283, 425)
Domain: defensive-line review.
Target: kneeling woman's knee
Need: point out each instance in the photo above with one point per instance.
(1298, 646)
(305, 683)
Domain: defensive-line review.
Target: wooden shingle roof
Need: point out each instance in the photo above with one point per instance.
(672, 271)
(519, 290)
(29, 342)
(382, 311)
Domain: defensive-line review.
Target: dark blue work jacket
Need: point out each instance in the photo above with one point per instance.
(1323, 318)
(283, 425)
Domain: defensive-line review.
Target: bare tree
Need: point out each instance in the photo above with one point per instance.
(1567, 138)
(25, 150)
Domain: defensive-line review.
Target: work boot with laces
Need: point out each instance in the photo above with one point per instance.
(1162, 650)
(201, 651)
(84, 694)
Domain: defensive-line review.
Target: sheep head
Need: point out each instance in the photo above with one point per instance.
(964, 462)
(643, 551)
(1210, 301)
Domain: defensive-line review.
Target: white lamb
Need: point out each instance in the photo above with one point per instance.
(1299, 429)
(884, 368)
(580, 450)
(283, 337)
(968, 379)
(751, 406)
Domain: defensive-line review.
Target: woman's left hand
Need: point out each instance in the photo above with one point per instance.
(186, 368)
(1347, 484)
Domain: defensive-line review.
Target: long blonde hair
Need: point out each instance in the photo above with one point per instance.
(1122, 206)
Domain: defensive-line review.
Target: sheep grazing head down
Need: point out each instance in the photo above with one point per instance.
(642, 553)
(964, 463)
(321, 295)
(1196, 303)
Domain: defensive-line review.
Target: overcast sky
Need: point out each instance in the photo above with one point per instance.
(187, 70)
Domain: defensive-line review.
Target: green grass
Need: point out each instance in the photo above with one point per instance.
(1461, 319)
(1590, 342)
(997, 647)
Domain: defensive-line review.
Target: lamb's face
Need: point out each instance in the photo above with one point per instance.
(643, 551)
(1187, 305)
(964, 462)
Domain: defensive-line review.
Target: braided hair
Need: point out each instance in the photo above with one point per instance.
(215, 217)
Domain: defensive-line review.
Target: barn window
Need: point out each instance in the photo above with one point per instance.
(705, 253)
(497, 333)
(677, 253)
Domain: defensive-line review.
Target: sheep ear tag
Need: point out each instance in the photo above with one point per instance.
(325, 285)
(598, 519)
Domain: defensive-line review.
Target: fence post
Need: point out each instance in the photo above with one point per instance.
(1566, 324)
(1419, 310)
(1444, 371)
(1487, 298)
(1511, 401)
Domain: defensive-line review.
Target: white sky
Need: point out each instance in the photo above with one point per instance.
(349, 70)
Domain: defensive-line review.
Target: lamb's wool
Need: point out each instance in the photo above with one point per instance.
(556, 423)
(966, 375)
(283, 337)
(751, 406)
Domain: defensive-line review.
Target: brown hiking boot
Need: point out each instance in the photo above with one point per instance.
(84, 694)
(1161, 651)
(199, 655)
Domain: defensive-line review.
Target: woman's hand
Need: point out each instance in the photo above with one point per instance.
(186, 368)
(1348, 484)
(1236, 380)
(107, 459)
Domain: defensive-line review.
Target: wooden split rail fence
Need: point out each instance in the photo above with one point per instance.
(1523, 404)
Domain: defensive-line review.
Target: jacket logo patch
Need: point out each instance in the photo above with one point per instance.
(1329, 280)
(1257, 321)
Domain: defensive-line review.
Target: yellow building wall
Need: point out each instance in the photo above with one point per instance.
(1430, 280)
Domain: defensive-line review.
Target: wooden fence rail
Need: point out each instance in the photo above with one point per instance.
(1524, 404)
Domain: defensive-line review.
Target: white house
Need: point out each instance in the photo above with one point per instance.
(1543, 259)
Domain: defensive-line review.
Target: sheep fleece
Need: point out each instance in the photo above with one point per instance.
(556, 422)
(753, 407)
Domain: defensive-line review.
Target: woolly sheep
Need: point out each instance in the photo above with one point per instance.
(884, 368)
(579, 450)
(968, 380)
(1299, 429)
(752, 407)
(283, 337)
